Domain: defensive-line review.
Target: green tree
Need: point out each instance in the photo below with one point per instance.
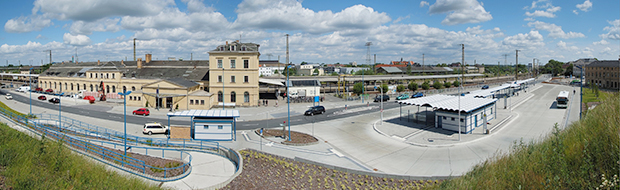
(413, 86)
(569, 70)
(275, 72)
(456, 83)
(315, 72)
(447, 84)
(408, 69)
(437, 85)
(383, 88)
(358, 88)
(400, 88)
(426, 85)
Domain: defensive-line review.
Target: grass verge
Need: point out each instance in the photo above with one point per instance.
(583, 156)
(4, 106)
(29, 163)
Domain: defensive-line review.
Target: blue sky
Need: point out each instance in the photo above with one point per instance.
(321, 31)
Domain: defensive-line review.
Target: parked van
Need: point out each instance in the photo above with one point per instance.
(23, 89)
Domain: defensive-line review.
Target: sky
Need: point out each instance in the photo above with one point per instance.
(321, 31)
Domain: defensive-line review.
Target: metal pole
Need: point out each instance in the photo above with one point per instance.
(382, 102)
(59, 111)
(288, 94)
(124, 94)
(223, 96)
(30, 72)
(460, 86)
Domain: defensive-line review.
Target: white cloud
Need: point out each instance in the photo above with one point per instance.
(41, 37)
(555, 31)
(92, 10)
(76, 40)
(27, 24)
(544, 13)
(291, 15)
(537, 4)
(529, 40)
(102, 25)
(423, 3)
(613, 31)
(400, 19)
(563, 46)
(575, 11)
(460, 11)
(585, 6)
(602, 42)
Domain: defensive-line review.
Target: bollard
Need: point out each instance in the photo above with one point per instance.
(345, 107)
(367, 104)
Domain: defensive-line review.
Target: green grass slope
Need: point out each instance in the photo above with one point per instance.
(28, 163)
(586, 155)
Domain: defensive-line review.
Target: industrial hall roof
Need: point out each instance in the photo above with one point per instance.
(449, 103)
(605, 63)
(195, 70)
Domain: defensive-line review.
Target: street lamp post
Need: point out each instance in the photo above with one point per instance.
(580, 92)
(288, 100)
(30, 84)
(381, 87)
(124, 94)
(59, 111)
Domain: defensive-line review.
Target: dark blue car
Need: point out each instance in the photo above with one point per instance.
(485, 87)
(417, 95)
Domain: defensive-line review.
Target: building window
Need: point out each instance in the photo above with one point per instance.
(220, 96)
(233, 64)
(71, 86)
(202, 102)
(91, 87)
(107, 88)
(219, 63)
(246, 79)
(191, 102)
(246, 97)
(139, 98)
(232, 78)
(124, 89)
(66, 86)
(491, 110)
(219, 78)
(242, 48)
(85, 87)
(112, 75)
(205, 127)
(444, 117)
(462, 120)
(91, 75)
(233, 97)
(113, 89)
(107, 75)
(246, 63)
(133, 88)
(220, 127)
(78, 87)
(453, 119)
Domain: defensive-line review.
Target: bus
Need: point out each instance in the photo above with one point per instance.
(562, 99)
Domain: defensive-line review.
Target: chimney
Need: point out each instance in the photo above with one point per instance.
(139, 63)
(122, 63)
(226, 42)
(98, 62)
(148, 57)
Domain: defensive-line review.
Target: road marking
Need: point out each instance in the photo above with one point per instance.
(269, 144)
(255, 124)
(398, 138)
(336, 152)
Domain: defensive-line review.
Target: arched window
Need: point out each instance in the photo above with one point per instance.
(107, 75)
(107, 88)
(78, 86)
(91, 88)
(65, 86)
(113, 89)
(84, 86)
(124, 89)
(112, 75)
(71, 86)
(54, 85)
(59, 85)
(96, 88)
(233, 97)
(246, 97)
(133, 88)
(220, 96)
(91, 75)
(45, 84)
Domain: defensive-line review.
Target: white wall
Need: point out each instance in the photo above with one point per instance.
(212, 132)
(469, 120)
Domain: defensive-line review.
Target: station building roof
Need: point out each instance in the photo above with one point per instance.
(450, 103)
(205, 113)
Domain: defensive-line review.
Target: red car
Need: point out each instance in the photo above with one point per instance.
(49, 91)
(42, 97)
(142, 111)
(38, 89)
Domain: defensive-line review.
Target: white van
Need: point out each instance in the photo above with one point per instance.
(23, 89)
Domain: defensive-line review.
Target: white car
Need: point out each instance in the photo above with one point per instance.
(151, 128)
(8, 97)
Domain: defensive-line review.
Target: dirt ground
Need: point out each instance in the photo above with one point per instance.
(177, 132)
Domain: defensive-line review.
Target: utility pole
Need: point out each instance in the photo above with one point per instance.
(532, 69)
(191, 56)
(134, 50)
(517, 65)
(460, 86)
(374, 63)
(498, 71)
(368, 44)
(50, 54)
(288, 94)
(76, 56)
(423, 73)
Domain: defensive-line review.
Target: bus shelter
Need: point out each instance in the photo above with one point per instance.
(217, 125)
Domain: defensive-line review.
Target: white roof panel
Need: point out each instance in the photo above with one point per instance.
(446, 102)
(206, 113)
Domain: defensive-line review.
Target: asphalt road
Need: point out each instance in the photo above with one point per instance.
(241, 125)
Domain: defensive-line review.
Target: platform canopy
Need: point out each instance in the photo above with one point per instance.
(205, 113)
(450, 103)
(487, 92)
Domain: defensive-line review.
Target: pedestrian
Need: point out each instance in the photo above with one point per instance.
(266, 102)
(574, 91)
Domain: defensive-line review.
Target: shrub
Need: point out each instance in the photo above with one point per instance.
(456, 83)
(400, 88)
(437, 85)
(426, 85)
(413, 86)
(447, 84)
(358, 88)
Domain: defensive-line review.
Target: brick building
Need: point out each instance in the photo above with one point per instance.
(605, 73)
